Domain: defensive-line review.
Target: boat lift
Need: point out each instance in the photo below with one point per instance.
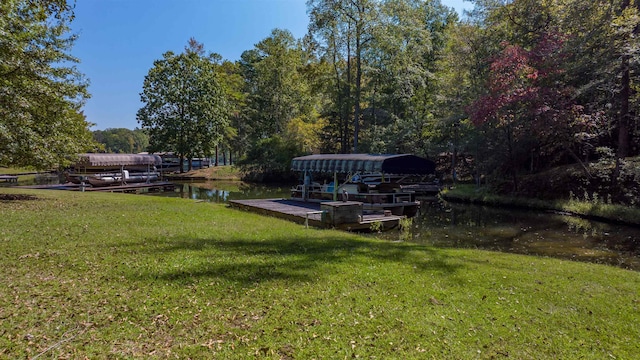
(356, 164)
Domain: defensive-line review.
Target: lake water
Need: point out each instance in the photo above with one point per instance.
(471, 226)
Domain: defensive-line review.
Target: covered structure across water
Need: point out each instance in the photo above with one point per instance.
(364, 179)
(400, 164)
(100, 160)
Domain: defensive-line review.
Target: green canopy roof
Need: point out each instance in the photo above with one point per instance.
(403, 164)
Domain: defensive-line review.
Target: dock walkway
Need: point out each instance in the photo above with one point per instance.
(309, 213)
(135, 187)
(8, 178)
(127, 188)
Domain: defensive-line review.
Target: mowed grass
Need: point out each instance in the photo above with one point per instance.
(101, 275)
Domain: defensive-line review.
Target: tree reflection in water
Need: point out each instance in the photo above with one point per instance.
(526, 232)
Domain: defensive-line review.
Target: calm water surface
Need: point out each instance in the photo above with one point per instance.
(470, 226)
(526, 232)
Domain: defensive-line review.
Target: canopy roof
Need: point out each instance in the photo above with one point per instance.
(404, 164)
(87, 160)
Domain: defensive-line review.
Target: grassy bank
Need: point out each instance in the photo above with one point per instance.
(108, 275)
(595, 208)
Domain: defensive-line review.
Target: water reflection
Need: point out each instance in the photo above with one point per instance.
(222, 191)
(526, 232)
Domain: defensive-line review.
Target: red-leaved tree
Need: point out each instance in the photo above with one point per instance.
(530, 107)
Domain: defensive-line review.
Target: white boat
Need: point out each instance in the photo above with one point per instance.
(122, 178)
(114, 169)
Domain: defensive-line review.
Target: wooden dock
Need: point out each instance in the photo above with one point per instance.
(127, 188)
(133, 188)
(8, 178)
(310, 214)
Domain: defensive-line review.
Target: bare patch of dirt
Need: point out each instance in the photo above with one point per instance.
(16, 197)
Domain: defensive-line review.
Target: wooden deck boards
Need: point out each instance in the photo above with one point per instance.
(137, 187)
(309, 213)
(9, 178)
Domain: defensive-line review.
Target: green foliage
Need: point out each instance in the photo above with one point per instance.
(151, 277)
(277, 92)
(270, 159)
(122, 140)
(376, 227)
(185, 108)
(278, 104)
(41, 124)
(597, 58)
(405, 229)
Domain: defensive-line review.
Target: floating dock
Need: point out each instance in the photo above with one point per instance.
(319, 215)
(8, 178)
(134, 188)
(126, 188)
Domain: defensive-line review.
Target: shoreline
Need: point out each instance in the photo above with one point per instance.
(591, 210)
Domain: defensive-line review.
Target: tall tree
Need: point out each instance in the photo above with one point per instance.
(403, 79)
(277, 94)
(185, 110)
(41, 124)
(276, 90)
(345, 30)
(235, 138)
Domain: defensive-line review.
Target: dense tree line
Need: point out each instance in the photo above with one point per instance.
(518, 86)
(515, 88)
(121, 140)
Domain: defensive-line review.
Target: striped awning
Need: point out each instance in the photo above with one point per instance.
(404, 164)
(85, 160)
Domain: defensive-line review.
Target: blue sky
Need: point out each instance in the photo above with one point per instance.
(119, 40)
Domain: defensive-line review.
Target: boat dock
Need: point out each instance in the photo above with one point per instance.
(134, 188)
(126, 188)
(320, 215)
(8, 178)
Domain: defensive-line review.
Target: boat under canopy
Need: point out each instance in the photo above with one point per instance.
(402, 164)
(114, 160)
(387, 198)
(112, 169)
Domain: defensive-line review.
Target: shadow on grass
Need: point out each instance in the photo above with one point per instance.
(186, 259)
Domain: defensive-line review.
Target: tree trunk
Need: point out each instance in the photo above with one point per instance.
(347, 109)
(340, 99)
(623, 122)
(625, 94)
(512, 159)
(356, 113)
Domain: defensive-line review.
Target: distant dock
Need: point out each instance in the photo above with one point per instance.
(126, 188)
(8, 178)
(312, 214)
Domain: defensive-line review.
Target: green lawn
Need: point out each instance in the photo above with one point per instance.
(101, 275)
